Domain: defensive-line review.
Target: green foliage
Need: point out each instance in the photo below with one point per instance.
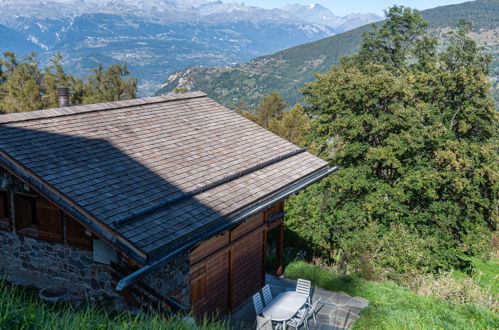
(20, 309)
(293, 126)
(180, 90)
(25, 87)
(394, 307)
(20, 90)
(110, 84)
(415, 136)
(394, 254)
(270, 107)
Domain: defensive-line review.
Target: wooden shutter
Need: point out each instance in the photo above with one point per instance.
(49, 219)
(25, 208)
(77, 235)
(198, 287)
(4, 211)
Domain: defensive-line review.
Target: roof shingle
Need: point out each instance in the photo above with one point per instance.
(115, 158)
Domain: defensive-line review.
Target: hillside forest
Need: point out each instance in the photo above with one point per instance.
(412, 126)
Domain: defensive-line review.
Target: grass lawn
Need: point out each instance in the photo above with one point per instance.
(394, 307)
(21, 309)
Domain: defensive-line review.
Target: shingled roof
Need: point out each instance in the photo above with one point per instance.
(149, 173)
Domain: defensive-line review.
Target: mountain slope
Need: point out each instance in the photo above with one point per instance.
(12, 40)
(288, 70)
(153, 37)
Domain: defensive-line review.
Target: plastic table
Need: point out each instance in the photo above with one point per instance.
(285, 306)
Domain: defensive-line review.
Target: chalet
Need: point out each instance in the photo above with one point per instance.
(166, 199)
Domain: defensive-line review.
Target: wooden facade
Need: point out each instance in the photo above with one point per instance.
(36, 217)
(228, 269)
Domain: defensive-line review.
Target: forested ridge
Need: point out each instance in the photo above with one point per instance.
(288, 71)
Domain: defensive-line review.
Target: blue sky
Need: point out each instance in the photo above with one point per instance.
(343, 7)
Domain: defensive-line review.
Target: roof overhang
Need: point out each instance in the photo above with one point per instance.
(47, 191)
(223, 224)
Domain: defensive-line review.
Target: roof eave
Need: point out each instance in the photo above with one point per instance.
(226, 223)
(46, 190)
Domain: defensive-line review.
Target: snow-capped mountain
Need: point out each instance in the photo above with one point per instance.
(153, 36)
(315, 13)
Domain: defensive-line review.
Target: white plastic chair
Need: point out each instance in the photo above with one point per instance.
(299, 320)
(263, 323)
(267, 295)
(312, 312)
(303, 286)
(257, 303)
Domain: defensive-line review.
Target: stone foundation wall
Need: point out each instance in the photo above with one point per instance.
(173, 276)
(29, 261)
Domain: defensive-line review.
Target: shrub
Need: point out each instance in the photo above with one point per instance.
(395, 254)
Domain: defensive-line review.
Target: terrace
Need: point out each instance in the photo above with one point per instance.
(336, 310)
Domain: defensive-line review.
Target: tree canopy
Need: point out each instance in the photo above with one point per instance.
(414, 131)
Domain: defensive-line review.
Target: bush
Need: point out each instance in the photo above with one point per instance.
(393, 254)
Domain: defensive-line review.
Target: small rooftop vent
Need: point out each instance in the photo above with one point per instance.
(63, 96)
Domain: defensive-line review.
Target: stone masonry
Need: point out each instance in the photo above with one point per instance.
(29, 261)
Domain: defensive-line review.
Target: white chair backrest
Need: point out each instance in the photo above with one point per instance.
(267, 295)
(303, 316)
(314, 306)
(257, 303)
(263, 323)
(303, 286)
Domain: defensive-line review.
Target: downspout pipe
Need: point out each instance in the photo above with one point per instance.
(135, 276)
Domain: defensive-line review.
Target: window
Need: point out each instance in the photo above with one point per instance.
(198, 287)
(38, 218)
(77, 235)
(4, 211)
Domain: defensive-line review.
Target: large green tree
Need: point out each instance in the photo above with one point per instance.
(414, 131)
(270, 107)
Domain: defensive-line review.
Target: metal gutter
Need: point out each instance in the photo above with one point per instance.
(227, 223)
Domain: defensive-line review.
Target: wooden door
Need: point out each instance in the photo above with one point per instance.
(210, 285)
(246, 267)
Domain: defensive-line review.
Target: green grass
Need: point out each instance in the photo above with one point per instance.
(21, 309)
(394, 307)
(486, 274)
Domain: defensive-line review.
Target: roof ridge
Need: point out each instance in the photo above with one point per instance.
(86, 108)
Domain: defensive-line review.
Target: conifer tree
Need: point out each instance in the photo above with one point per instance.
(21, 90)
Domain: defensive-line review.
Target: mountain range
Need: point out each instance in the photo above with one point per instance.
(287, 71)
(155, 37)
